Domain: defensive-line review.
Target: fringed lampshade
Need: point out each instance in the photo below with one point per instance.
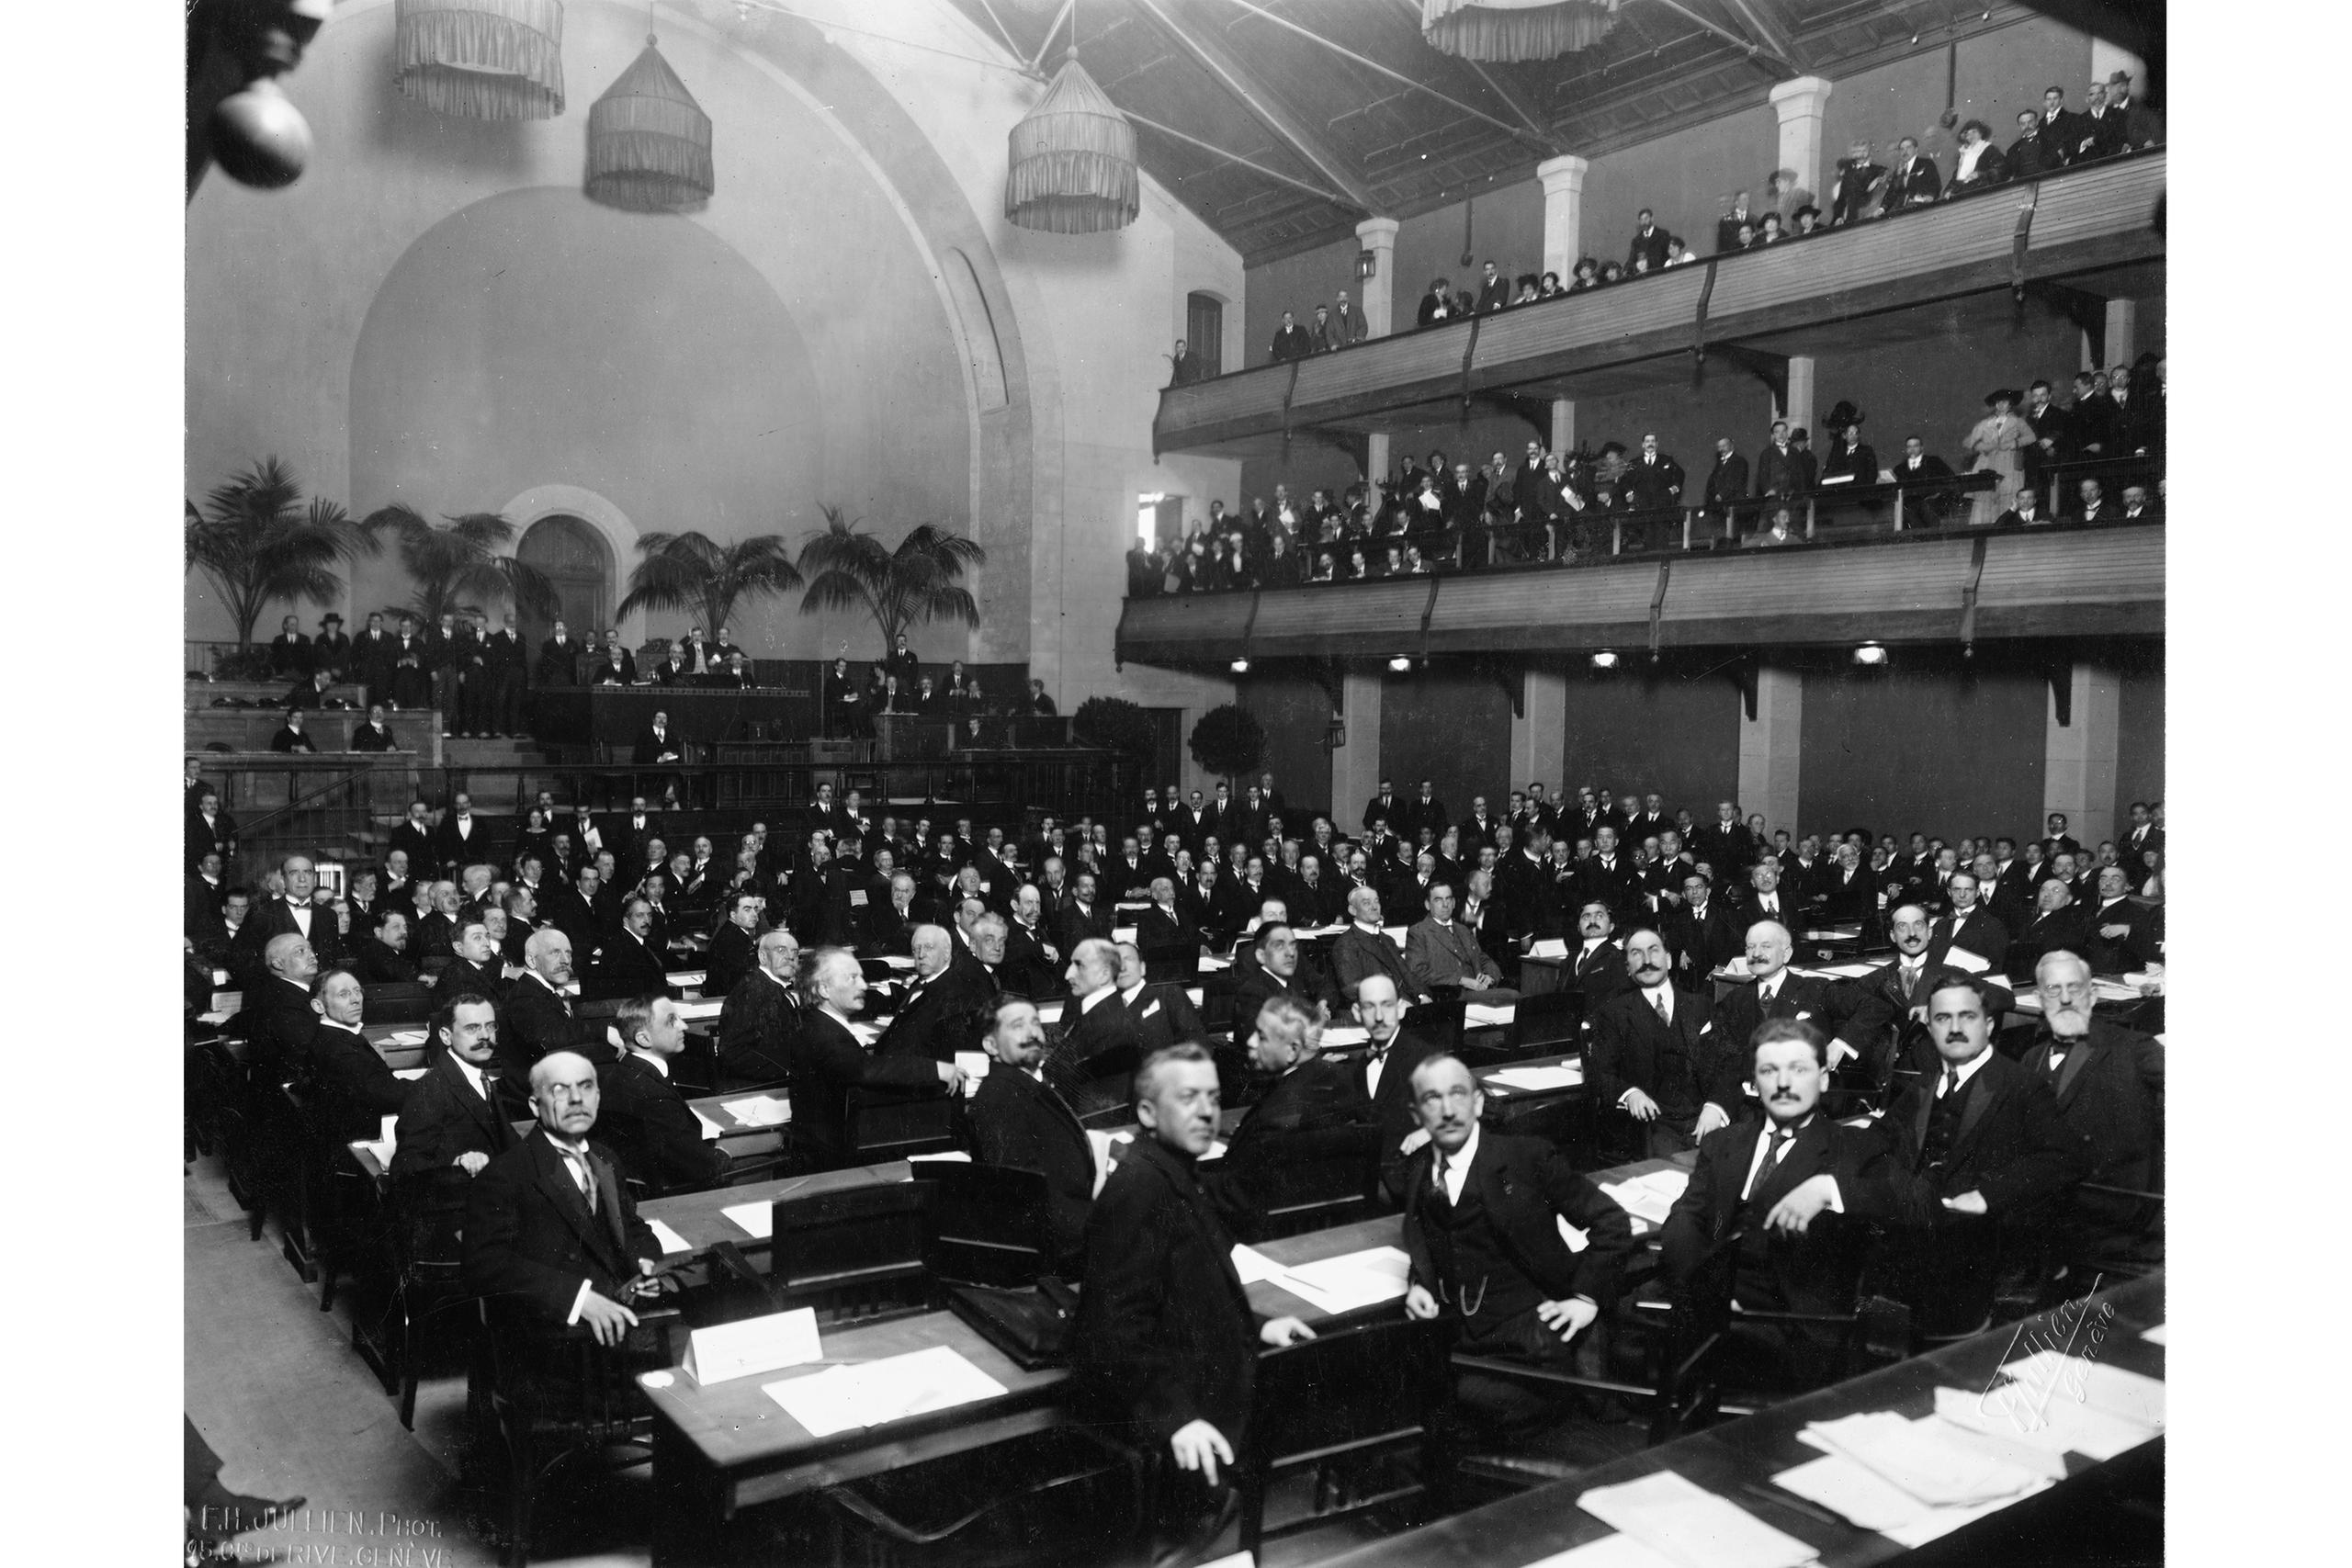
(1515, 29)
(482, 59)
(649, 141)
(1073, 161)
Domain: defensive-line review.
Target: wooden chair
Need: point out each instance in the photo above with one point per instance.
(408, 1002)
(885, 1126)
(1549, 1024)
(1353, 1410)
(988, 1225)
(995, 1507)
(428, 1298)
(853, 1254)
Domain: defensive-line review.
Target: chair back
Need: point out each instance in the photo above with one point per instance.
(852, 1253)
(1336, 1404)
(887, 1126)
(1178, 962)
(409, 1001)
(1439, 1024)
(1545, 1024)
(989, 1224)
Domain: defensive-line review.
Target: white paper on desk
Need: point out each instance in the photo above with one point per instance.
(694, 1012)
(710, 1129)
(1550, 947)
(2110, 1390)
(1253, 1265)
(764, 1344)
(682, 978)
(2019, 1416)
(754, 1219)
(2154, 1336)
(974, 1064)
(1478, 1013)
(841, 1398)
(1846, 971)
(1213, 965)
(1345, 1036)
(1692, 1527)
(945, 1157)
(217, 1015)
(1961, 958)
(1194, 995)
(671, 1240)
(759, 1111)
(897, 961)
(1395, 933)
(1538, 1080)
(1351, 1281)
(1123, 933)
(1923, 1457)
(410, 1074)
(1049, 1012)
(1619, 1551)
(1872, 1503)
(405, 1037)
(1650, 1197)
(383, 1149)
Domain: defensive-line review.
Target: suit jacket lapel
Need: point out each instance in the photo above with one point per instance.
(555, 1178)
(1806, 1157)
(2070, 1071)
(1980, 1090)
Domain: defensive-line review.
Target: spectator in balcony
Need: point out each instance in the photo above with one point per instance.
(1653, 480)
(1494, 289)
(1526, 284)
(1781, 532)
(1649, 242)
(1745, 240)
(1807, 220)
(1858, 181)
(1921, 471)
(1610, 272)
(1437, 305)
(2101, 128)
(289, 650)
(1913, 182)
(1292, 341)
(1143, 572)
(1734, 218)
(1808, 466)
(1347, 322)
(1233, 563)
(1998, 441)
(1549, 287)
(1640, 265)
(1182, 368)
(1772, 232)
(1281, 568)
(2089, 418)
(2126, 419)
(1850, 460)
(2024, 160)
(1727, 480)
(1585, 275)
(290, 737)
(1776, 465)
(2143, 127)
(2047, 421)
(1326, 568)
(2137, 507)
(2060, 133)
(1979, 164)
(2093, 506)
(2024, 512)
(1359, 568)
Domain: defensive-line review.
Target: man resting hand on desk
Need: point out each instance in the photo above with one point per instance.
(549, 1223)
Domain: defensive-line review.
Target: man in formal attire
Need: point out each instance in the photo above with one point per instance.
(1018, 1119)
(1789, 1195)
(1290, 341)
(1440, 952)
(210, 831)
(646, 1122)
(935, 997)
(1095, 1060)
(550, 1227)
(294, 914)
(1977, 1154)
(656, 743)
(1438, 304)
(354, 1090)
(1913, 181)
(1657, 1055)
(2063, 130)
(415, 838)
(292, 738)
(2141, 836)
(380, 958)
(411, 660)
(1777, 992)
(627, 965)
(1166, 1342)
(1776, 468)
(2057, 923)
(1032, 956)
(1969, 926)
(829, 1062)
(1483, 1212)
(1727, 480)
(1363, 950)
(2109, 1086)
(1650, 243)
(460, 839)
(289, 650)
(1858, 180)
(1849, 894)
(1086, 914)
(1654, 479)
(1880, 1017)
(1309, 1133)
(1610, 874)
(2123, 933)
(1597, 963)
(538, 1014)
(1390, 1054)
(1724, 843)
(474, 965)
(453, 1122)
(759, 1022)
(1347, 321)
(375, 735)
(1704, 933)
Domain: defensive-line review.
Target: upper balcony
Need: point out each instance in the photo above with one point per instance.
(2088, 233)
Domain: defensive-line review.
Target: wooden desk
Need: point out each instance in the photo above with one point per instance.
(698, 1219)
(1748, 1452)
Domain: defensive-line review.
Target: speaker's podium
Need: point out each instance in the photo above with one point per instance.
(912, 737)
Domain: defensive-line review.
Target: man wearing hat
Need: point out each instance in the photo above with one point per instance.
(1999, 440)
(1851, 460)
(2143, 127)
(1979, 163)
(330, 649)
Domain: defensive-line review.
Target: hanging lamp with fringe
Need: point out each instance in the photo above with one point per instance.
(649, 141)
(481, 59)
(1073, 161)
(1505, 30)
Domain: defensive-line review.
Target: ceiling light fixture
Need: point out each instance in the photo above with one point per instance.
(1605, 660)
(1869, 653)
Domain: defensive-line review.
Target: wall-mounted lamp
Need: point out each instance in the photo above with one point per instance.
(1367, 263)
(1869, 653)
(1401, 663)
(1605, 660)
(1240, 667)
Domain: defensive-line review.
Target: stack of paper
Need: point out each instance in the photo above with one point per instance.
(843, 1399)
(755, 1219)
(1476, 1014)
(2122, 991)
(1911, 1480)
(1253, 1265)
(410, 1074)
(1690, 1526)
(671, 1240)
(1344, 1036)
(1550, 947)
(1537, 1080)
(694, 1012)
(1648, 1198)
(758, 1111)
(2111, 1391)
(1348, 1282)
(2025, 1418)
(404, 1037)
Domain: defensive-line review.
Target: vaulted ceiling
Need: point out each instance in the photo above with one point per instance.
(1284, 122)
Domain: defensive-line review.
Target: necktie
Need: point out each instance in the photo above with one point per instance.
(1910, 979)
(1951, 1084)
(1658, 1000)
(1440, 1173)
(581, 1174)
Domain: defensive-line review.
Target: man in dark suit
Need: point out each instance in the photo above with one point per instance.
(289, 650)
(1650, 243)
(1977, 1154)
(1879, 1018)
(1858, 181)
(1849, 893)
(1725, 845)
(415, 837)
(1437, 305)
(734, 944)
(2062, 132)
(1968, 925)
(934, 998)
(1653, 479)
(615, 665)
(1758, 896)
(1278, 971)
(294, 914)
(1913, 181)
(1610, 876)
(356, 1090)
(2109, 1086)
(549, 1227)
(1790, 1194)
(2141, 836)
(537, 1017)
(626, 965)
(1597, 963)
(1096, 1057)
(1656, 1055)
(1032, 956)
(1020, 1119)
(1364, 951)
(646, 1122)
(828, 1062)
(2123, 933)
(1777, 993)
(1384, 807)
(455, 1121)
(461, 839)
(1159, 1013)
(1310, 1132)
(1483, 1213)
(1391, 1053)
(292, 738)
(1776, 465)
(380, 958)
(2056, 923)
(1166, 1342)
(657, 742)
(1727, 480)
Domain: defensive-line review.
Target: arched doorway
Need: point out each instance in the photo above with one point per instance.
(577, 562)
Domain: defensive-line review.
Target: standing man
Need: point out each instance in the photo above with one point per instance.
(1913, 182)
(1167, 1344)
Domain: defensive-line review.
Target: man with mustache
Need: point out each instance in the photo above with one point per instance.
(1777, 993)
(1788, 1194)
(1978, 1151)
(2109, 1085)
(1483, 1213)
(1657, 1056)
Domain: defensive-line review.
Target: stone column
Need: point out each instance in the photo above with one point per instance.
(1800, 412)
(1768, 748)
(1355, 767)
(1539, 738)
(1800, 102)
(2078, 757)
(2122, 328)
(1562, 180)
(1378, 235)
(1564, 424)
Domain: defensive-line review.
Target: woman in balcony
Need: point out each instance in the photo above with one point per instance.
(1610, 273)
(1587, 275)
(1979, 164)
(1999, 440)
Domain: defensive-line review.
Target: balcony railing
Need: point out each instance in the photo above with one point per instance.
(2009, 236)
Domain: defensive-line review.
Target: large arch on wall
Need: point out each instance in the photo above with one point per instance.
(611, 524)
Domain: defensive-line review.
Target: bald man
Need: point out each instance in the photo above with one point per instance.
(1777, 993)
(1097, 1057)
(277, 1016)
(759, 1022)
(539, 1017)
(939, 992)
(356, 1089)
(829, 1061)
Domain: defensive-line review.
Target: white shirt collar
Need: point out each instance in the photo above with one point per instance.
(1967, 1070)
(1086, 1003)
(1457, 1164)
(653, 1059)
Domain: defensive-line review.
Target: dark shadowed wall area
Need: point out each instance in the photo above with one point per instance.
(1451, 726)
(1294, 713)
(1920, 746)
(2140, 740)
(1671, 733)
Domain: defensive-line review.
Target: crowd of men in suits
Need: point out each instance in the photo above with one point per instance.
(1976, 1167)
